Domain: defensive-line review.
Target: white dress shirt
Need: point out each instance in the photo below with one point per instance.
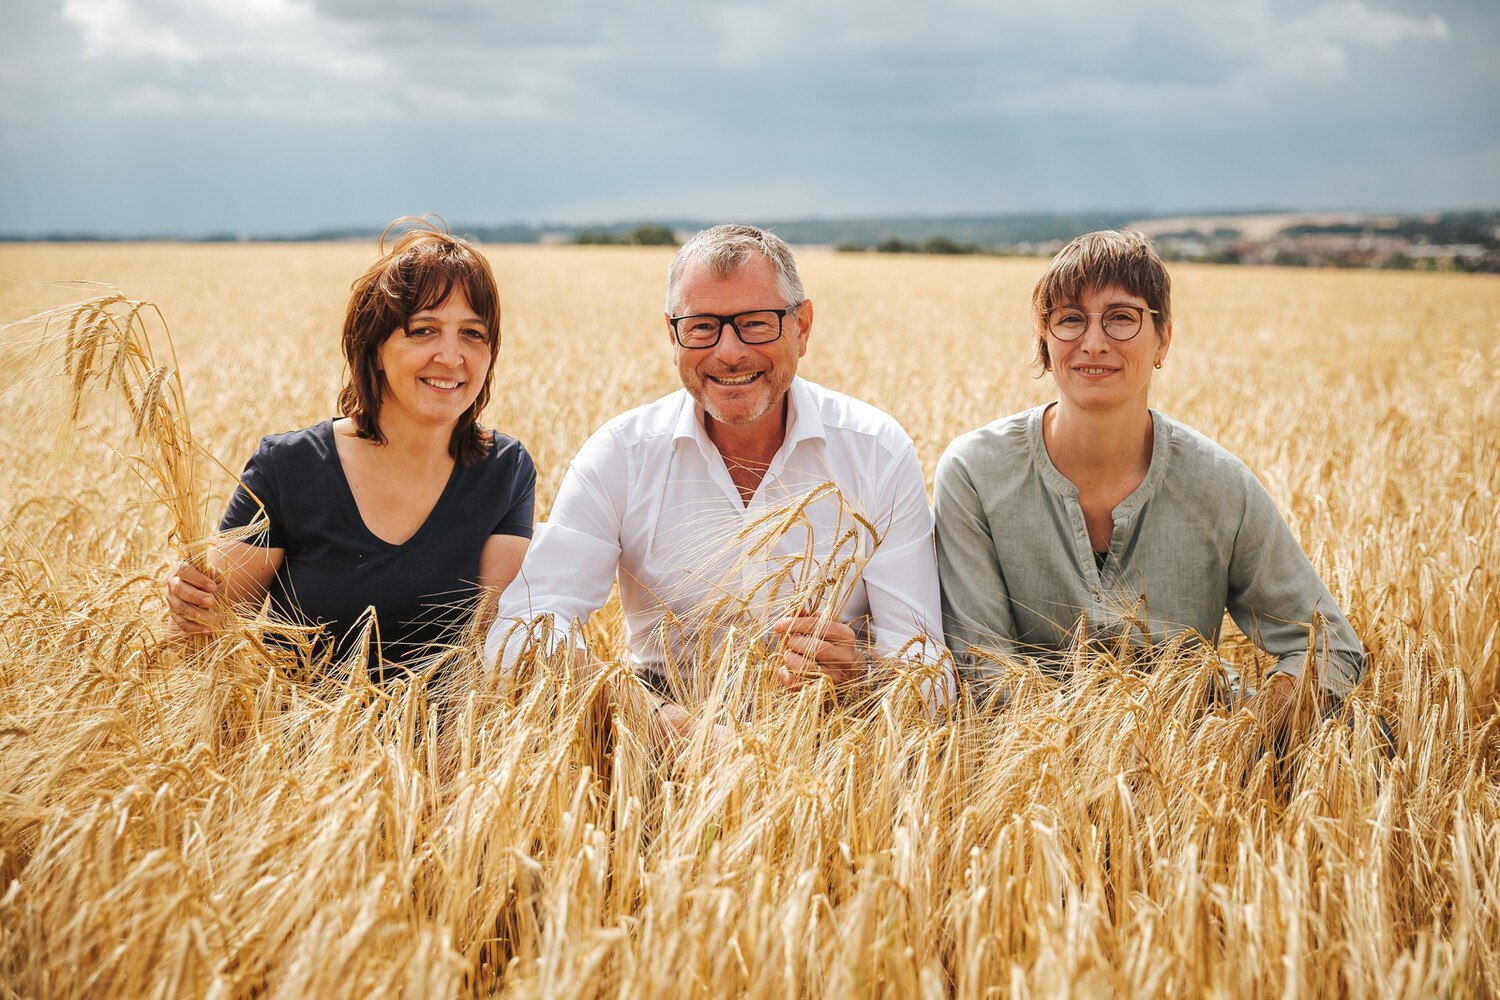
(649, 499)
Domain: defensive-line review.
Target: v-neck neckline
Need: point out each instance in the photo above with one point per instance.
(359, 517)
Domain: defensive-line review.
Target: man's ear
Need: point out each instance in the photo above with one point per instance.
(804, 313)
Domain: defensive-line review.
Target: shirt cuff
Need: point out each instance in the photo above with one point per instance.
(513, 640)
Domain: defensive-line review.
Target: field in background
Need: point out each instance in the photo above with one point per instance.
(180, 821)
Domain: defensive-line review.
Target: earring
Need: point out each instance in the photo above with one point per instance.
(1158, 364)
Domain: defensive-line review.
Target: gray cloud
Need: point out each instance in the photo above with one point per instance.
(328, 111)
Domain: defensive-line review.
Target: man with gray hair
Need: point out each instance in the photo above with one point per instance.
(749, 497)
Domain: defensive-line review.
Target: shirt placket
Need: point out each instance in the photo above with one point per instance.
(771, 496)
(1083, 554)
(752, 570)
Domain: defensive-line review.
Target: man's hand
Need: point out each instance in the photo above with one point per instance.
(192, 599)
(672, 726)
(1276, 705)
(812, 646)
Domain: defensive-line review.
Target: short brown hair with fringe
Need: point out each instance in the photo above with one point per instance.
(1102, 259)
(419, 272)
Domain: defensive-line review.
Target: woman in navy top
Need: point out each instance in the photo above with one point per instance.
(404, 505)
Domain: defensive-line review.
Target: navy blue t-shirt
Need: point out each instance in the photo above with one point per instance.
(423, 590)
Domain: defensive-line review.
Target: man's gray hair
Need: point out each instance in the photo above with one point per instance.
(727, 249)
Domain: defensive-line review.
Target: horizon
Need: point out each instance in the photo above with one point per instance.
(1107, 218)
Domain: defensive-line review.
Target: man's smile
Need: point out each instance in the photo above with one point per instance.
(744, 379)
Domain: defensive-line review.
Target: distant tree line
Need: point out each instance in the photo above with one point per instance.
(640, 236)
(895, 244)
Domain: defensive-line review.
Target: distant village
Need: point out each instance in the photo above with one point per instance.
(1421, 243)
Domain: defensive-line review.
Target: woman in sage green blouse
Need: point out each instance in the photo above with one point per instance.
(1095, 517)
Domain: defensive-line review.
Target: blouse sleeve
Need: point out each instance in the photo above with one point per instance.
(1275, 595)
(976, 601)
(257, 490)
(518, 515)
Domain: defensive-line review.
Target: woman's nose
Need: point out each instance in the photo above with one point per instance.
(1094, 338)
(449, 350)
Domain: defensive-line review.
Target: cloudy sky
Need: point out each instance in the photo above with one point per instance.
(263, 116)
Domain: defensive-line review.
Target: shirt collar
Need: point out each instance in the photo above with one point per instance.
(1161, 441)
(804, 421)
(805, 418)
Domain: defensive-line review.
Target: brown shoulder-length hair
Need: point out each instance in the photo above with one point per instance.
(419, 272)
(1103, 259)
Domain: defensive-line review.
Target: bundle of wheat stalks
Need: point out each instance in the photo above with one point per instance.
(227, 819)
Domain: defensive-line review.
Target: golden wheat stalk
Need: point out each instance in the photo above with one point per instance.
(107, 343)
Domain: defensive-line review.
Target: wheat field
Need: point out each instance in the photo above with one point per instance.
(212, 820)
